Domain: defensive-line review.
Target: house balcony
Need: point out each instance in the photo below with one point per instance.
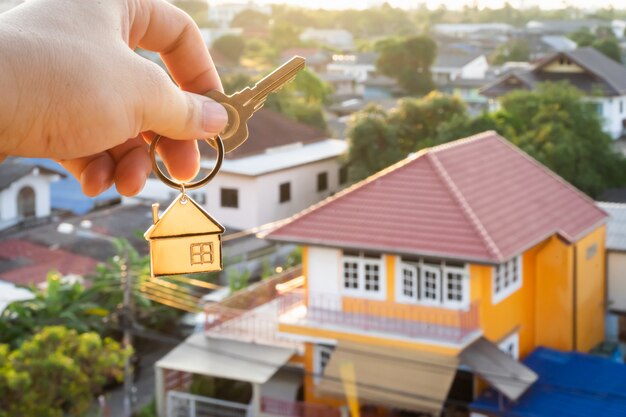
(407, 322)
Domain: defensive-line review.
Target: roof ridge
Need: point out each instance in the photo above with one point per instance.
(467, 209)
(554, 176)
(462, 141)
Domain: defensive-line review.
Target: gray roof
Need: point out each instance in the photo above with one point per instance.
(454, 60)
(615, 226)
(11, 171)
(603, 74)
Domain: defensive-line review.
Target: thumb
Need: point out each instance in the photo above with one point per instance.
(169, 111)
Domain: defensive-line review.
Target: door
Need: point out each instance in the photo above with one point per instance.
(26, 203)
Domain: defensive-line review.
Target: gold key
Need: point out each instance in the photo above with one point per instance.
(242, 105)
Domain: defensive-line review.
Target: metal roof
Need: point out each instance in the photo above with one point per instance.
(285, 157)
(479, 199)
(603, 74)
(615, 226)
(570, 384)
(222, 358)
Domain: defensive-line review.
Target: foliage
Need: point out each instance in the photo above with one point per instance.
(238, 280)
(63, 304)
(231, 46)
(283, 35)
(553, 124)
(603, 40)
(259, 53)
(516, 50)
(106, 291)
(408, 61)
(235, 81)
(57, 372)
(378, 139)
(148, 410)
(250, 19)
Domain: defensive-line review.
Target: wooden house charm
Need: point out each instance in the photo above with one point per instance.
(184, 240)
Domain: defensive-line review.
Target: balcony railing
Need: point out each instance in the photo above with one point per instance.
(402, 320)
(282, 408)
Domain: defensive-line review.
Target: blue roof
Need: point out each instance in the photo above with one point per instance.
(570, 385)
(66, 194)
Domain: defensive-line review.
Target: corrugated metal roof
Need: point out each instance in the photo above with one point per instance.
(570, 384)
(615, 226)
(478, 199)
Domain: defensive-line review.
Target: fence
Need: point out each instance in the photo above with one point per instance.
(181, 404)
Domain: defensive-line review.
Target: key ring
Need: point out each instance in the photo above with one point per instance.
(190, 185)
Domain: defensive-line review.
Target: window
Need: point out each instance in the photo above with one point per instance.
(201, 253)
(285, 192)
(432, 282)
(363, 275)
(230, 197)
(343, 175)
(507, 278)
(322, 181)
(200, 198)
(510, 345)
(322, 355)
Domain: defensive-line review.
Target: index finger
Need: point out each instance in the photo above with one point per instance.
(166, 29)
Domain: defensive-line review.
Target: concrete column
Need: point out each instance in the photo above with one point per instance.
(159, 382)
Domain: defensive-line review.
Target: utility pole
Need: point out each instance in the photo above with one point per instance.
(128, 335)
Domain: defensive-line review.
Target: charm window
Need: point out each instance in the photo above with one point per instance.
(362, 274)
(201, 253)
(432, 282)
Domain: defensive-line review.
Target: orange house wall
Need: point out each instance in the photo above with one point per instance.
(590, 290)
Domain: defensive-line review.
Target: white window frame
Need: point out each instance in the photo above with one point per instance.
(419, 282)
(360, 291)
(422, 274)
(505, 292)
(510, 345)
(318, 366)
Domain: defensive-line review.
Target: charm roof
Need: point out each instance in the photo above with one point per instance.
(479, 199)
(184, 219)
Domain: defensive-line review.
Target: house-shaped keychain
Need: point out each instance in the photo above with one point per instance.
(184, 240)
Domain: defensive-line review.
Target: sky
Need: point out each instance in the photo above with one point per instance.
(452, 4)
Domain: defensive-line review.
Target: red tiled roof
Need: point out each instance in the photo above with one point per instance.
(39, 260)
(478, 199)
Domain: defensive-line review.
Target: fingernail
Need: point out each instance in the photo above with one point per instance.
(214, 117)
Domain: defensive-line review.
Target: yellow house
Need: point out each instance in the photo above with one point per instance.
(469, 240)
(185, 239)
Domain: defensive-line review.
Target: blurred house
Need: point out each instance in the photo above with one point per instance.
(452, 65)
(602, 80)
(465, 30)
(316, 58)
(562, 27)
(335, 38)
(616, 270)
(222, 14)
(360, 66)
(425, 276)
(25, 192)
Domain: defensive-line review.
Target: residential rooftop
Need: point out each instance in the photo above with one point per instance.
(477, 199)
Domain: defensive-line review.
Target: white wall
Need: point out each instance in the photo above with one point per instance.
(8, 198)
(475, 70)
(360, 72)
(616, 272)
(324, 266)
(247, 214)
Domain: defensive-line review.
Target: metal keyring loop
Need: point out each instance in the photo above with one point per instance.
(188, 185)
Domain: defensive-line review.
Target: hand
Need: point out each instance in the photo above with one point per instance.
(75, 91)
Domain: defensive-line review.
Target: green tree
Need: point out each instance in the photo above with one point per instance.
(59, 303)
(231, 46)
(378, 139)
(516, 50)
(408, 61)
(609, 47)
(57, 372)
(583, 37)
(250, 19)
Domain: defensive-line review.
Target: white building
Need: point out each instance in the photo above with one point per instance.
(224, 13)
(336, 38)
(461, 30)
(616, 269)
(283, 168)
(359, 66)
(600, 78)
(24, 192)
(452, 66)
